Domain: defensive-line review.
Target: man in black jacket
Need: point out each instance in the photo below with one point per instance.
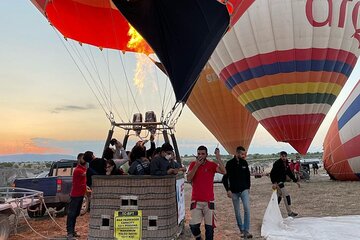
(278, 175)
(237, 184)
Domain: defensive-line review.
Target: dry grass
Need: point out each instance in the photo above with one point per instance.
(318, 197)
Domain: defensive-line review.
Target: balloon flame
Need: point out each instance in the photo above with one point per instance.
(142, 68)
(136, 41)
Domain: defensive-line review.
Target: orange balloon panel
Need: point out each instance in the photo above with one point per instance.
(99, 22)
(221, 112)
(95, 22)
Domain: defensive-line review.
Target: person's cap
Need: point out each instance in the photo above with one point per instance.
(167, 147)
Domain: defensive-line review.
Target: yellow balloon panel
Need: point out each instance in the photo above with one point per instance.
(221, 113)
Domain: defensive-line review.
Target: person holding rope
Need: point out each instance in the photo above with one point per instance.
(278, 175)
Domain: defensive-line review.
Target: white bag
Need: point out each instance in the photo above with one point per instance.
(272, 218)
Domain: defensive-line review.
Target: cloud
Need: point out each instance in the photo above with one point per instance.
(68, 108)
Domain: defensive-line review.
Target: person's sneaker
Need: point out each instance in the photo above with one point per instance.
(242, 233)
(292, 214)
(247, 235)
(76, 235)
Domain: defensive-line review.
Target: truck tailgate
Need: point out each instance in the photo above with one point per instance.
(46, 185)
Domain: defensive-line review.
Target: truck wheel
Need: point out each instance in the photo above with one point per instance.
(4, 226)
(36, 211)
(85, 205)
(60, 206)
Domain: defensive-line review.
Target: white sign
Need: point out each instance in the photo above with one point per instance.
(180, 198)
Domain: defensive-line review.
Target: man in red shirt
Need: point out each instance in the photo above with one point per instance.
(201, 175)
(77, 194)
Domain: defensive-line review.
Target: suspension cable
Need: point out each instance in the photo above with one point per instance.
(99, 82)
(111, 76)
(81, 72)
(85, 66)
(128, 84)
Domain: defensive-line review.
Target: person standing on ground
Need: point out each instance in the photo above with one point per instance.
(237, 184)
(278, 175)
(315, 167)
(297, 170)
(201, 175)
(77, 194)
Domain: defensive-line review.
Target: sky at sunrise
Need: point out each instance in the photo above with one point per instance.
(47, 106)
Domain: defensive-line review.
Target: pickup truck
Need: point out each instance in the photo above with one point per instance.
(56, 188)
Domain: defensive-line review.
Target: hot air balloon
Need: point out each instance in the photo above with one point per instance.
(182, 33)
(342, 142)
(287, 60)
(214, 105)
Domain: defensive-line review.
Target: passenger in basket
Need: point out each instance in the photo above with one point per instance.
(110, 153)
(77, 194)
(119, 152)
(96, 166)
(111, 168)
(160, 165)
(140, 164)
(201, 175)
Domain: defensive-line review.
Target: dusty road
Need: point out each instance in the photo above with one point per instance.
(318, 197)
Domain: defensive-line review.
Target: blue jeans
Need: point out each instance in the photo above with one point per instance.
(73, 212)
(244, 196)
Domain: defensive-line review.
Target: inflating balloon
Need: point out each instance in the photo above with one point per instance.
(342, 143)
(287, 60)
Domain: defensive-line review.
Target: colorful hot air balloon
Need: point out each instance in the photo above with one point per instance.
(220, 112)
(287, 60)
(182, 33)
(342, 143)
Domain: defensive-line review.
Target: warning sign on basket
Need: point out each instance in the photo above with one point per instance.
(128, 225)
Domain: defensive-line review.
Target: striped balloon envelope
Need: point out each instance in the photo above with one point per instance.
(214, 105)
(342, 143)
(287, 60)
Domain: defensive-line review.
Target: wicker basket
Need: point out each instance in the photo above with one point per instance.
(154, 196)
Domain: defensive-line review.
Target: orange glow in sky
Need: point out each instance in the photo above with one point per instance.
(26, 146)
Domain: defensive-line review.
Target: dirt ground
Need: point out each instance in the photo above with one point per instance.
(318, 197)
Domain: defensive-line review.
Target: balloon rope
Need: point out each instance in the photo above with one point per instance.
(81, 72)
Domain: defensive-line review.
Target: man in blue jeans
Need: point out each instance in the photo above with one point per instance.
(237, 184)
